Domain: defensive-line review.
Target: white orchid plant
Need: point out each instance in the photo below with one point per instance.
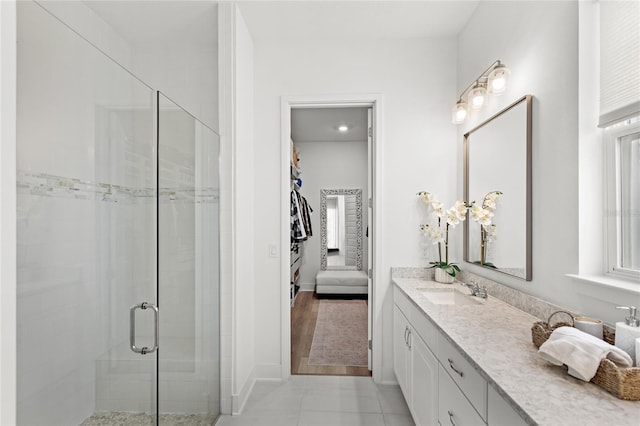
(483, 214)
(448, 219)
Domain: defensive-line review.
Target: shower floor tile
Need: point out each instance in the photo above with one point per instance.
(142, 419)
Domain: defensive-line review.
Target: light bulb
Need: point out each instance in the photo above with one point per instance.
(477, 101)
(498, 84)
(477, 96)
(343, 128)
(499, 79)
(459, 112)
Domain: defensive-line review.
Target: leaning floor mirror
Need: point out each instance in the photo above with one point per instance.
(341, 229)
(497, 180)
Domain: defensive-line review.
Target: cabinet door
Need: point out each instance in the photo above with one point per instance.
(400, 349)
(424, 383)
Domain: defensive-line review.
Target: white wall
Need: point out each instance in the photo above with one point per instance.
(237, 234)
(84, 21)
(539, 42)
(186, 73)
(330, 165)
(8, 60)
(416, 80)
(246, 207)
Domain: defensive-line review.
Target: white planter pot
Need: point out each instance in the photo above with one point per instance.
(441, 276)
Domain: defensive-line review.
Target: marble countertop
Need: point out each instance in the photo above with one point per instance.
(496, 338)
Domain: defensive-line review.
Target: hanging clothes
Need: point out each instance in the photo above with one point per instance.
(300, 217)
(298, 232)
(306, 215)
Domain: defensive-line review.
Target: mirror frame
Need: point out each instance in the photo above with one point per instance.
(323, 226)
(528, 99)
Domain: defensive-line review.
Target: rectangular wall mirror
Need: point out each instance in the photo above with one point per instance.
(497, 177)
(341, 229)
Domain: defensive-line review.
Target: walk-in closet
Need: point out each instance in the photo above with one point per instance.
(329, 283)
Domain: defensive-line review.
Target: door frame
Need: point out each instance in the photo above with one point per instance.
(373, 101)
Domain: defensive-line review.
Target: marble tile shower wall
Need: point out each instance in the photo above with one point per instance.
(80, 265)
(86, 254)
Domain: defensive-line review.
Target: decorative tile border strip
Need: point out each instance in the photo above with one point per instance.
(47, 185)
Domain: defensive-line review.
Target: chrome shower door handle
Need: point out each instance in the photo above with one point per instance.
(132, 328)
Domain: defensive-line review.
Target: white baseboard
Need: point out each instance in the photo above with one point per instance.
(307, 286)
(239, 400)
(268, 372)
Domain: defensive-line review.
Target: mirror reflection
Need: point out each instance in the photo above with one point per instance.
(498, 233)
(341, 229)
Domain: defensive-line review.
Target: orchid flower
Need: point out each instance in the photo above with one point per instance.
(435, 232)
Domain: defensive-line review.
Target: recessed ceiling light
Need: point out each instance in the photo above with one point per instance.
(343, 128)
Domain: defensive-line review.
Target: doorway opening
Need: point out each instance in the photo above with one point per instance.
(328, 156)
(330, 175)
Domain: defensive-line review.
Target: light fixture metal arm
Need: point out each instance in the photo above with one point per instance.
(484, 75)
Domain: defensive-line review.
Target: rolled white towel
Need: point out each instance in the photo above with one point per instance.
(581, 352)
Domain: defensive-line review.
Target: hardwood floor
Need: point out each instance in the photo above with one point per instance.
(303, 324)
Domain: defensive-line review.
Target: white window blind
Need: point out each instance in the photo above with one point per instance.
(619, 61)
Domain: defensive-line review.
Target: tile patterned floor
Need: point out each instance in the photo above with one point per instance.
(323, 401)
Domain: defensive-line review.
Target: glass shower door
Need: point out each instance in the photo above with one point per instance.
(117, 213)
(86, 231)
(188, 267)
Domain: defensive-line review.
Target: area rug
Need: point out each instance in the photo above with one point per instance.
(340, 337)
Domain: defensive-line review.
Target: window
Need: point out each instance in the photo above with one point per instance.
(622, 145)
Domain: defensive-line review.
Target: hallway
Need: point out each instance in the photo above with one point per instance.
(322, 401)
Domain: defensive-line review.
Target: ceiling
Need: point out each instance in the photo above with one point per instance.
(143, 22)
(321, 124)
(153, 22)
(355, 19)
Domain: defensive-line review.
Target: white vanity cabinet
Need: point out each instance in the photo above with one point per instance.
(500, 412)
(439, 384)
(416, 367)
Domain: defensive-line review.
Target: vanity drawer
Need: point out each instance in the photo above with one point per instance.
(418, 319)
(403, 302)
(453, 407)
(464, 375)
(425, 328)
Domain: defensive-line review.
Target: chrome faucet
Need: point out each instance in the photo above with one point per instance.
(476, 290)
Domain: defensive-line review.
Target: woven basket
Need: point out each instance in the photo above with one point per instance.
(624, 383)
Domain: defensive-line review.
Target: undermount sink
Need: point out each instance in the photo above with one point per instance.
(447, 296)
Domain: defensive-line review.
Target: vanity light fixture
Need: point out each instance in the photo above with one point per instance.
(343, 128)
(493, 81)
(459, 112)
